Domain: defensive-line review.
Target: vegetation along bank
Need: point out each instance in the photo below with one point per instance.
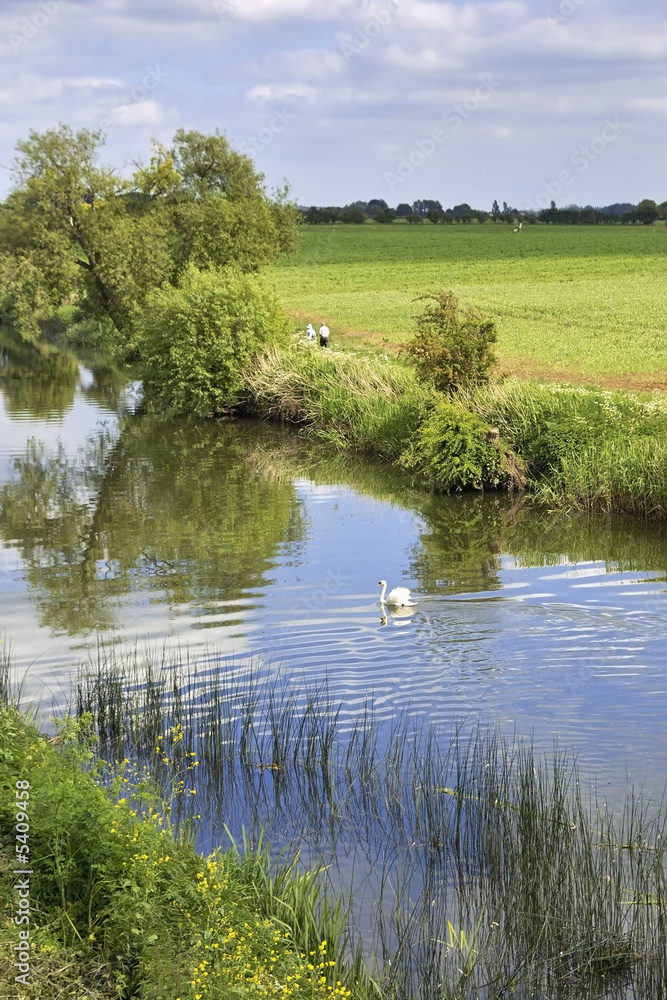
(161, 271)
(122, 905)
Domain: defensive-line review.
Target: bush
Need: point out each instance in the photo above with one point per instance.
(452, 348)
(455, 450)
(195, 340)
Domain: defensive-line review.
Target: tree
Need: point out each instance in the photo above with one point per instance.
(195, 339)
(320, 216)
(73, 233)
(402, 210)
(463, 212)
(386, 215)
(425, 205)
(647, 212)
(495, 211)
(453, 345)
(353, 215)
(413, 218)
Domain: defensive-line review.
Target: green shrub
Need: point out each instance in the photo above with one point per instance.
(455, 450)
(452, 347)
(547, 424)
(195, 340)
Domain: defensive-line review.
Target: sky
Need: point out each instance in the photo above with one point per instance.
(523, 102)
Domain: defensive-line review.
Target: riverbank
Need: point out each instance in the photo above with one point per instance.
(102, 897)
(570, 447)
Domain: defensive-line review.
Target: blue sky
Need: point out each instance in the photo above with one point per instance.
(393, 99)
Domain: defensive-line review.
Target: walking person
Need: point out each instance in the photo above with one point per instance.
(310, 332)
(324, 335)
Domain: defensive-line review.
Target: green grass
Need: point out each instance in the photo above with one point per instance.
(369, 404)
(572, 447)
(122, 905)
(578, 300)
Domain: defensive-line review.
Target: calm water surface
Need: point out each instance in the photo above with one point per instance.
(243, 539)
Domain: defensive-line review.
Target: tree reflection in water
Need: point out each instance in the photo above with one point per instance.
(168, 507)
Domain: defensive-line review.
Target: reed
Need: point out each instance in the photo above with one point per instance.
(470, 866)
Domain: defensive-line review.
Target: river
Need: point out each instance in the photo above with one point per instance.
(249, 542)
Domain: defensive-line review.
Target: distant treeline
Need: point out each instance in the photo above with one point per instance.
(427, 210)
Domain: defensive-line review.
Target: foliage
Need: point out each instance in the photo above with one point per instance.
(195, 340)
(587, 448)
(127, 907)
(573, 299)
(368, 404)
(454, 450)
(452, 347)
(73, 233)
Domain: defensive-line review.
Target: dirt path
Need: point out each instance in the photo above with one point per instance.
(528, 368)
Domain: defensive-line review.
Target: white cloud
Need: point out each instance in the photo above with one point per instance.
(227, 62)
(265, 93)
(502, 132)
(95, 82)
(654, 105)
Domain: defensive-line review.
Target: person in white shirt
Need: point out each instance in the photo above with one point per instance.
(324, 336)
(310, 332)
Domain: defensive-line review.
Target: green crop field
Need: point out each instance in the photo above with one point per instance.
(571, 300)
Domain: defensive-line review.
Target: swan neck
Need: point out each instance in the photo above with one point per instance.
(384, 590)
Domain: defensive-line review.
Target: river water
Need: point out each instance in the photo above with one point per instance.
(246, 540)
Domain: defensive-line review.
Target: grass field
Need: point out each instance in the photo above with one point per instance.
(571, 302)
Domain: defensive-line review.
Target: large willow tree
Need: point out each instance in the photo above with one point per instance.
(77, 238)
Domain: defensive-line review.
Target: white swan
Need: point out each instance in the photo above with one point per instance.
(398, 597)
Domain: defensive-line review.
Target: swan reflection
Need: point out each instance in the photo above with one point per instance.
(396, 612)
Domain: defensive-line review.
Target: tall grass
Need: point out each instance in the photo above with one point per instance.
(365, 403)
(584, 448)
(472, 866)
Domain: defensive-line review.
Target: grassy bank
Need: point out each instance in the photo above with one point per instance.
(122, 905)
(572, 300)
(572, 447)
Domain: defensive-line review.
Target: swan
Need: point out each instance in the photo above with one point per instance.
(398, 597)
